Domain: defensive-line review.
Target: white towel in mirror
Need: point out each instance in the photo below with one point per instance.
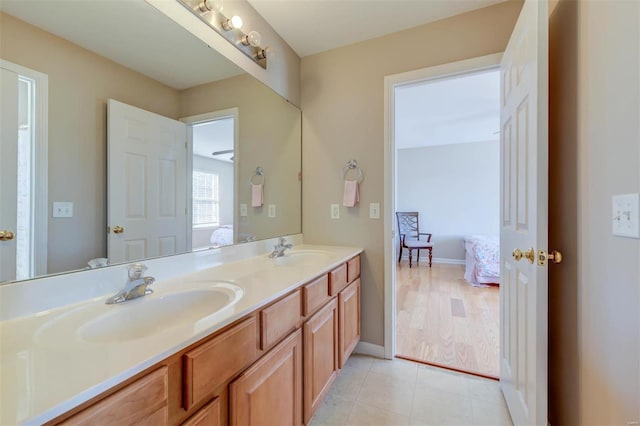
(257, 195)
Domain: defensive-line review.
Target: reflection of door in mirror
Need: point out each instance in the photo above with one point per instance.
(213, 139)
(23, 118)
(147, 169)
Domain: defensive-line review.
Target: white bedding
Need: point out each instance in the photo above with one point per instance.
(482, 260)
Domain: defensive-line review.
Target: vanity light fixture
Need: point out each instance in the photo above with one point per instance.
(210, 12)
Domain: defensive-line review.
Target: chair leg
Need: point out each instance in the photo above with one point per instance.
(418, 258)
(400, 255)
(430, 256)
(410, 256)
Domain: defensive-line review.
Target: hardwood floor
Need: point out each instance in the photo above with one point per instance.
(442, 319)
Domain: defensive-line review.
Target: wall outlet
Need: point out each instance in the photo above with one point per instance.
(62, 209)
(271, 210)
(243, 210)
(626, 215)
(335, 211)
(374, 210)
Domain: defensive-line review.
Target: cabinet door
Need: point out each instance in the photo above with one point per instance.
(320, 356)
(270, 392)
(209, 415)
(349, 310)
(143, 402)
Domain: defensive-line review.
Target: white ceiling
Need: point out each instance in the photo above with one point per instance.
(312, 26)
(448, 111)
(213, 136)
(131, 33)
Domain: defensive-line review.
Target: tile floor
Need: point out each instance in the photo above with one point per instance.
(371, 391)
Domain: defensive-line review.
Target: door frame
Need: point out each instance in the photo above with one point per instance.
(40, 164)
(438, 72)
(203, 118)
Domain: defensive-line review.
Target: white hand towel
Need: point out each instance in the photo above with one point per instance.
(257, 196)
(351, 195)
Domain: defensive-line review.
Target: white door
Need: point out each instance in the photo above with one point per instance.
(8, 172)
(524, 197)
(147, 172)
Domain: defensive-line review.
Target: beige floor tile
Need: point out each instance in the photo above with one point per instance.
(437, 407)
(391, 393)
(349, 383)
(487, 390)
(333, 411)
(361, 362)
(440, 379)
(395, 368)
(368, 415)
(490, 414)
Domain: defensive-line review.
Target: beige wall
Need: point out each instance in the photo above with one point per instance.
(272, 125)
(594, 354)
(80, 82)
(343, 118)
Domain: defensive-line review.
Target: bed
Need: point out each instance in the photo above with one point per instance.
(482, 260)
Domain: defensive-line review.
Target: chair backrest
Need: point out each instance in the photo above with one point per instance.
(408, 224)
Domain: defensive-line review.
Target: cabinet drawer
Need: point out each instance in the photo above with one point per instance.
(209, 415)
(216, 361)
(280, 319)
(337, 279)
(315, 294)
(143, 402)
(353, 269)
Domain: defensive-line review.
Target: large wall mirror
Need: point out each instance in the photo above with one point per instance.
(153, 144)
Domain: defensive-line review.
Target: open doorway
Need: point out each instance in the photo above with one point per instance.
(446, 153)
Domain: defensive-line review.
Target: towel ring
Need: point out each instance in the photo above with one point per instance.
(352, 165)
(259, 174)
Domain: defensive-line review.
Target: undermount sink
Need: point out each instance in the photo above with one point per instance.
(301, 257)
(144, 317)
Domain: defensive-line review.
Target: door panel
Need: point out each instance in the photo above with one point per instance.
(524, 197)
(147, 184)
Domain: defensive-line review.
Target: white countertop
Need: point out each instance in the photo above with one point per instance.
(46, 368)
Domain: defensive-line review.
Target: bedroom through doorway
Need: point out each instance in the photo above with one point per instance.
(447, 173)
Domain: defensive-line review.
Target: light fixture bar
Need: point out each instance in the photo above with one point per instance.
(227, 27)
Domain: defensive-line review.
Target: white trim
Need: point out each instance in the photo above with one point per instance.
(366, 348)
(41, 163)
(202, 118)
(390, 83)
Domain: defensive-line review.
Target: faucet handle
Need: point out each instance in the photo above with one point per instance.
(282, 241)
(136, 270)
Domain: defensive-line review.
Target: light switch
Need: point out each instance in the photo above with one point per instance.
(335, 211)
(374, 211)
(271, 210)
(243, 210)
(626, 215)
(62, 209)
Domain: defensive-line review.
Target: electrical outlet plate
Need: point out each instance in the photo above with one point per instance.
(243, 210)
(626, 215)
(335, 211)
(62, 209)
(271, 210)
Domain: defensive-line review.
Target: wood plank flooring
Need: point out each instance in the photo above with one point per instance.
(442, 319)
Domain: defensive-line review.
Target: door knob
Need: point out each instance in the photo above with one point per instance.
(527, 254)
(6, 235)
(118, 229)
(555, 256)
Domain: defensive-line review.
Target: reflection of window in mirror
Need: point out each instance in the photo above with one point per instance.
(213, 141)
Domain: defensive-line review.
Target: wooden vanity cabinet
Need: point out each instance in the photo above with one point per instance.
(320, 356)
(209, 415)
(270, 391)
(349, 313)
(143, 402)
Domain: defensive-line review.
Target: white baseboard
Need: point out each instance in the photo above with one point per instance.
(438, 260)
(366, 348)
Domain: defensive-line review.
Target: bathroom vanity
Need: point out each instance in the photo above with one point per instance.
(267, 356)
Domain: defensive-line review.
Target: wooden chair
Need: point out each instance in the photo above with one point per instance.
(409, 233)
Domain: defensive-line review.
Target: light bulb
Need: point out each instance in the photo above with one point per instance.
(252, 39)
(208, 5)
(265, 53)
(234, 22)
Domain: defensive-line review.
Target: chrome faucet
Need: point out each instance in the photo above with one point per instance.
(278, 249)
(136, 285)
